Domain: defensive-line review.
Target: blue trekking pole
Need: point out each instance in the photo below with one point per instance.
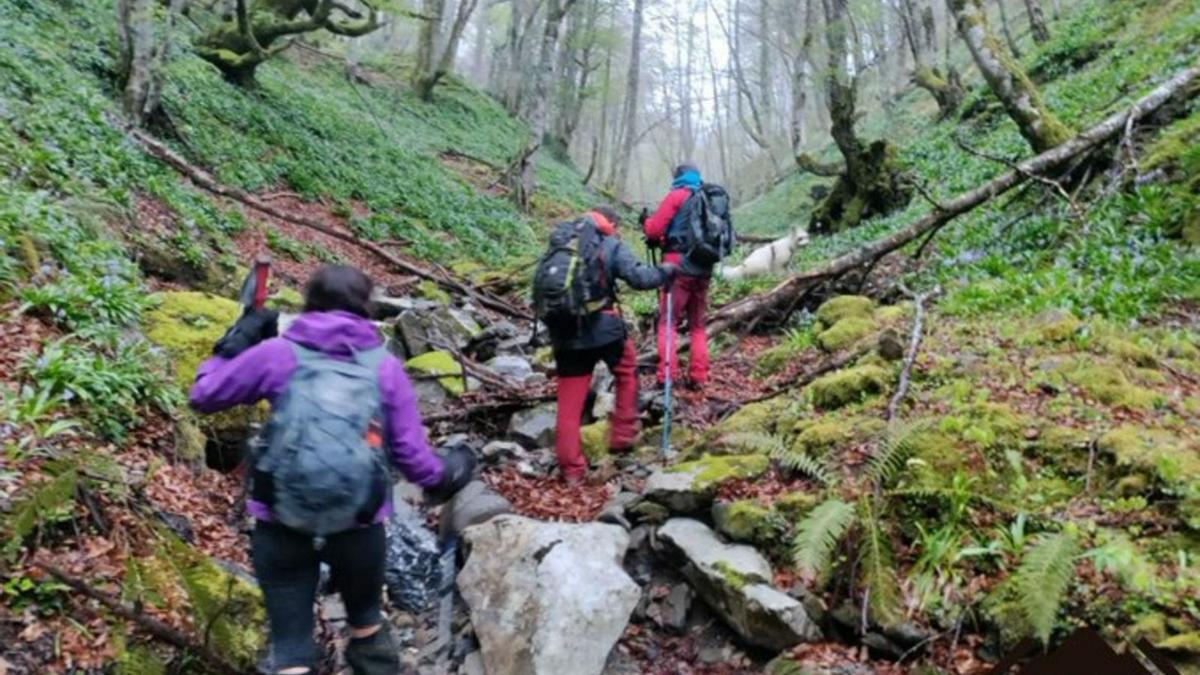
(670, 356)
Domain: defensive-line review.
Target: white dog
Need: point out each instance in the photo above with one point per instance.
(769, 258)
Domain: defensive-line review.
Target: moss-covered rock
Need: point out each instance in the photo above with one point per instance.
(892, 313)
(1051, 326)
(795, 505)
(845, 307)
(747, 521)
(1108, 384)
(761, 417)
(772, 361)
(1129, 351)
(713, 470)
(848, 386)
(845, 333)
(832, 434)
(689, 487)
(189, 440)
(431, 291)
(594, 440)
(187, 324)
(437, 364)
(286, 299)
(1155, 452)
(1064, 447)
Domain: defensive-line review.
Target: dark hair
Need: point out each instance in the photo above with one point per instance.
(609, 213)
(339, 287)
(684, 168)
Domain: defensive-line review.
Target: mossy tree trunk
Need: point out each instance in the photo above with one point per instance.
(871, 183)
(1007, 80)
(946, 88)
(556, 11)
(257, 30)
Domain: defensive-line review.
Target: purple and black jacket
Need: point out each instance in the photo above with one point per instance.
(264, 371)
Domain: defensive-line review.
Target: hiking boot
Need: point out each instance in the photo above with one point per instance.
(376, 654)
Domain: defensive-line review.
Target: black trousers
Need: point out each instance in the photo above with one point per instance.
(288, 568)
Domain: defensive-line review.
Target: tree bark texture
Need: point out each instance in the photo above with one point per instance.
(632, 89)
(1007, 80)
(431, 65)
(145, 46)
(1037, 21)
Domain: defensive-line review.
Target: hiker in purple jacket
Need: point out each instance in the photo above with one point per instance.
(334, 326)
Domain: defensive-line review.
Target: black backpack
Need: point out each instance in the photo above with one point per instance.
(570, 281)
(703, 229)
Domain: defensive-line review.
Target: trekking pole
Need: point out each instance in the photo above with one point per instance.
(669, 356)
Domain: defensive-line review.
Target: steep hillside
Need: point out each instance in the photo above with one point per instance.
(1019, 461)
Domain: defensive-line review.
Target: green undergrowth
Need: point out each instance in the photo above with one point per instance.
(1127, 256)
(305, 127)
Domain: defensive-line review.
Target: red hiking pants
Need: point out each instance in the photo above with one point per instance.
(689, 297)
(574, 380)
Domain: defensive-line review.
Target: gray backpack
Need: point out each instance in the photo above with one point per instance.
(324, 475)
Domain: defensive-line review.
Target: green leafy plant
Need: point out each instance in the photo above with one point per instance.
(1042, 580)
(819, 534)
(775, 447)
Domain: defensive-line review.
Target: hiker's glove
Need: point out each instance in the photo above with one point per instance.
(643, 217)
(459, 464)
(253, 327)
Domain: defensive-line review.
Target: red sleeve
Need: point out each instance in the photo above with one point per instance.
(657, 224)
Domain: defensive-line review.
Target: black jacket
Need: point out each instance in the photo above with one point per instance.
(607, 326)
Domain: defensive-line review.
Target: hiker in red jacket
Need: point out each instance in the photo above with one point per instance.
(689, 292)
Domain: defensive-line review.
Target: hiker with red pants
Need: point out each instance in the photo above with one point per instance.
(575, 295)
(667, 229)
(342, 408)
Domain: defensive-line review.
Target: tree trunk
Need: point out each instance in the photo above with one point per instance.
(1037, 21)
(946, 89)
(1007, 29)
(251, 37)
(632, 88)
(687, 134)
(432, 66)
(556, 10)
(1021, 99)
(871, 184)
(800, 81)
(722, 150)
(145, 46)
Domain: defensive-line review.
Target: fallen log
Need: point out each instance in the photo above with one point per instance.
(208, 181)
(145, 622)
(745, 310)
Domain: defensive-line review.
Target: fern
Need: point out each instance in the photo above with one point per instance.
(755, 441)
(818, 534)
(806, 464)
(898, 447)
(1042, 581)
(878, 567)
(933, 493)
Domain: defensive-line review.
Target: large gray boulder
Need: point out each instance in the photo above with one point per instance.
(515, 368)
(735, 580)
(437, 328)
(546, 598)
(534, 427)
